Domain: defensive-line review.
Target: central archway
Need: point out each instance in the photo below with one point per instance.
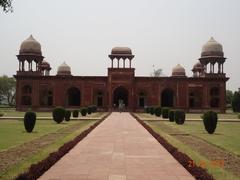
(120, 93)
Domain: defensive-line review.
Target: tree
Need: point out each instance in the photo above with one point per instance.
(157, 73)
(7, 89)
(6, 5)
(229, 96)
(236, 101)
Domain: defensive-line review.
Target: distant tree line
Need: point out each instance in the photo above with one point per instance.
(6, 5)
(233, 99)
(7, 90)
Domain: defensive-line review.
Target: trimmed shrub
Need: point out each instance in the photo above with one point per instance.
(165, 112)
(179, 116)
(238, 116)
(171, 115)
(210, 119)
(75, 113)
(29, 121)
(84, 111)
(94, 108)
(158, 111)
(152, 110)
(147, 109)
(1, 114)
(58, 114)
(89, 110)
(236, 102)
(67, 115)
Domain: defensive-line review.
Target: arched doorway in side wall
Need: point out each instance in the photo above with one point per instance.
(167, 98)
(73, 97)
(120, 93)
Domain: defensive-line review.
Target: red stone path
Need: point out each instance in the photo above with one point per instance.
(118, 149)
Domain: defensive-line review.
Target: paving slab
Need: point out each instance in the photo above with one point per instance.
(118, 149)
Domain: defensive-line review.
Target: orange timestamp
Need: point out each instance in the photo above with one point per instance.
(204, 164)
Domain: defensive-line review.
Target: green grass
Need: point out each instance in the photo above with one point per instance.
(42, 127)
(14, 132)
(193, 116)
(226, 136)
(11, 112)
(217, 172)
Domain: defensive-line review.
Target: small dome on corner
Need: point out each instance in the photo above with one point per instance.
(212, 48)
(30, 46)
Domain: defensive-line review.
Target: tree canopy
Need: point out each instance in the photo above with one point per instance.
(236, 101)
(7, 90)
(6, 5)
(229, 96)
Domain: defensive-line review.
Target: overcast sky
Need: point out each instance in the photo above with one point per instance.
(162, 33)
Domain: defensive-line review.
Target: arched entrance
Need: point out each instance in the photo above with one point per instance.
(73, 97)
(167, 98)
(120, 93)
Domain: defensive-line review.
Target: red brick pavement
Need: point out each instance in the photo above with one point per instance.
(118, 149)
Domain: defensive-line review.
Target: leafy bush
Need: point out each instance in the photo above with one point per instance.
(179, 116)
(152, 110)
(89, 110)
(94, 108)
(147, 109)
(84, 111)
(58, 114)
(165, 112)
(236, 102)
(171, 115)
(1, 114)
(210, 119)
(75, 113)
(67, 115)
(157, 111)
(238, 116)
(29, 121)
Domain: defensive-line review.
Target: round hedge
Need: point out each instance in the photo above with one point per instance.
(29, 121)
(58, 114)
(158, 111)
(171, 115)
(75, 113)
(165, 112)
(84, 111)
(210, 119)
(152, 110)
(89, 110)
(179, 117)
(67, 115)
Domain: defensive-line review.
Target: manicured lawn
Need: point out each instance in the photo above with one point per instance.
(192, 116)
(47, 137)
(12, 132)
(226, 136)
(11, 112)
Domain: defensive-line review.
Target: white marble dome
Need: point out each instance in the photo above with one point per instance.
(30, 46)
(212, 48)
(64, 69)
(178, 70)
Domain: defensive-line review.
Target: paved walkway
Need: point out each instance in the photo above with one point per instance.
(118, 149)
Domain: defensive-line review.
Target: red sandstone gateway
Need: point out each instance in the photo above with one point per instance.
(39, 90)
